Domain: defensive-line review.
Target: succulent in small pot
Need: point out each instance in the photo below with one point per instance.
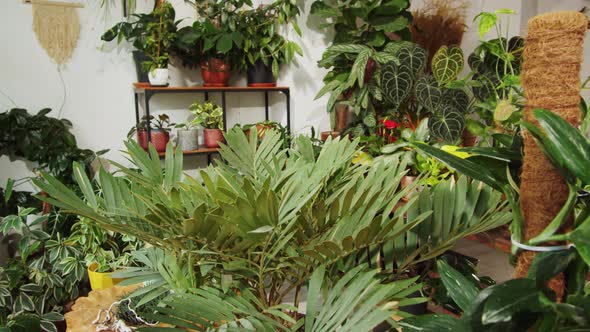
(210, 116)
(159, 132)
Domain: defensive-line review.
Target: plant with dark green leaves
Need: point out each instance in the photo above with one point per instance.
(159, 38)
(358, 51)
(246, 233)
(43, 140)
(496, 66)
(262, 42)
(412, 95)
(525, 304)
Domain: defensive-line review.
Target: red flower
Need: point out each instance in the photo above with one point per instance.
(390, 124)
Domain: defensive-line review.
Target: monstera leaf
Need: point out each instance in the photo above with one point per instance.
(447, 64)
(396, 83)
(456, 98)
(428, 93)
(447, 124)
(413, 57)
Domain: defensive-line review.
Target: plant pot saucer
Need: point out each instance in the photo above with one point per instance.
(215, 85)
(262, 85)
(159, 85)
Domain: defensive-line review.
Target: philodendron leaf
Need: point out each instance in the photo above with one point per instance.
(413, 57)
(447, 64)
(447, 124)
(510, 298)
(396, 82)
(456, 98)
(428, 93)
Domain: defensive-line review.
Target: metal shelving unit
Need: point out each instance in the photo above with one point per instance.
(149, 91)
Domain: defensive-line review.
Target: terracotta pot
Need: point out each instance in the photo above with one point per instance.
(406, 182)
(213, 137)
(468, 138)
(215, 72)
(342, 115)
(325, 134)
(158, 137)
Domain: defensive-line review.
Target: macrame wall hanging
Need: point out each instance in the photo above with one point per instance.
(57, 27)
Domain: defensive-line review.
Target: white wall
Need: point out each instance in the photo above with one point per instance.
(99, 99)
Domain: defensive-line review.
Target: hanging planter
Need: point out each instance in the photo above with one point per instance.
(260, 75)
(215, 72)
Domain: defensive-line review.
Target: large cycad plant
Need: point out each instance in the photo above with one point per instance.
(264, 224)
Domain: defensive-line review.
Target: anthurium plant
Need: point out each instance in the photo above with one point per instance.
(361, 45)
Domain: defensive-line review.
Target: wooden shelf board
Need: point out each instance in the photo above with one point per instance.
(139, 87)
(194, 152)
(497, 239)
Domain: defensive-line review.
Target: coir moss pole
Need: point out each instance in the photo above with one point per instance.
(551, 79)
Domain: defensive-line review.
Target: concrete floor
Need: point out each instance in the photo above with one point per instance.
(492, 262)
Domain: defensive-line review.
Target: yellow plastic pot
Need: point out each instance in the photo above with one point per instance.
(100, 280)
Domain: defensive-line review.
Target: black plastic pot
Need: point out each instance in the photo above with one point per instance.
(261, 75)
(139, 57)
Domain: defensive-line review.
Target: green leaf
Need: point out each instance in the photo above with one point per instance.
(358, 68)
(225, 43)
(510, 298)
(8, 190)
(486, 22)
(461, 290)
(396, 82)
(315, 286)
(447, 125)
(85, 185)
(547, 265)
(447, 64)
(427, 93)
(431, 323)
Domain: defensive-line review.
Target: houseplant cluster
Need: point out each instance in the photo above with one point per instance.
(346, 231)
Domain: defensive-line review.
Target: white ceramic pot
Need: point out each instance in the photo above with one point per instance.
(158, 76)
(188, 140)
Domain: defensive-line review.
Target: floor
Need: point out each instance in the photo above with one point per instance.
(492, 262)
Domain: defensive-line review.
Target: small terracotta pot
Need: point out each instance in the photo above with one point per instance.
(158, 137)
(325, 134)
(213, 137)
(468, 138)
(215, 72)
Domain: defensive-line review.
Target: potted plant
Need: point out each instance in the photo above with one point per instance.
(264, 50)
(211, 43)
(135, 31)
(210, 116)
(159, 38)
(188, 134)
(159, 132)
